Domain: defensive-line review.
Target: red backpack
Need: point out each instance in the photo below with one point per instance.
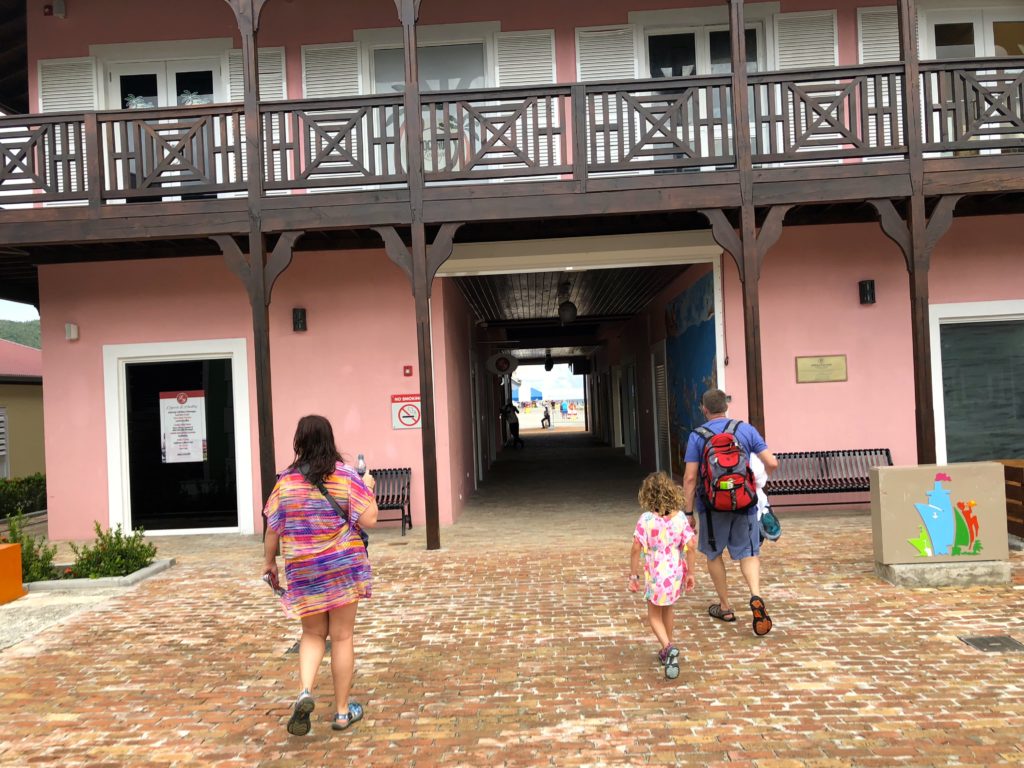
(727, 482)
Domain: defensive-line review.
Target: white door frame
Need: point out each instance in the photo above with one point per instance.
(115, 358)
(947, 314)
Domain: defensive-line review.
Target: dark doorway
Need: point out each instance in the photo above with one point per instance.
(171, 489)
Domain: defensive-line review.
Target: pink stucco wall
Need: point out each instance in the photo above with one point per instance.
(117, 303)
(345, 367)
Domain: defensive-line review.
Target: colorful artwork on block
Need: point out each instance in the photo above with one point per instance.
(691, 349)
(946, 529)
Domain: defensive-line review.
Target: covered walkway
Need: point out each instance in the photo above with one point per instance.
(517, 644)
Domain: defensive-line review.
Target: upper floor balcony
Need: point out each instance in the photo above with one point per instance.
(577, 136)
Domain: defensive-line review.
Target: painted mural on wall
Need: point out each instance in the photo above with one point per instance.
(946, 530)
(691, 353)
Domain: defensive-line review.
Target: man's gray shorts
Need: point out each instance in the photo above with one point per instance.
(739, 533)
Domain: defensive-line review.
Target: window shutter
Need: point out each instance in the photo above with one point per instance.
(805, 40)
(272, 88)
(879, 35)
(528, 59)
(3, 431)
(272, 77)
(525, 58)
(331, 71)
(67, 85)
(607, 53)
(879, 42)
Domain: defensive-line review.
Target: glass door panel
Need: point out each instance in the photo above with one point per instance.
(955, 40)
(181, 464)
(720, 51)
(139, 91)
(1008, 38)
(672, 55)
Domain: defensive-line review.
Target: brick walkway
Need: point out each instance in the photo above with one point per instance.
(517, 644)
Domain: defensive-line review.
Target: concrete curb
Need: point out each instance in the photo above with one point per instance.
(110, 581)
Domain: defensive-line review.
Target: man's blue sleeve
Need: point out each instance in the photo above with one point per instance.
(692, 449)
(755, 443)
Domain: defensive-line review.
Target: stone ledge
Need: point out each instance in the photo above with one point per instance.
(945, 574)
(109, 581)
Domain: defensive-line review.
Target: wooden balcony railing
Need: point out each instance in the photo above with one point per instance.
(548, 132)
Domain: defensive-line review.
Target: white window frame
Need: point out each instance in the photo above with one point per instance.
(703, 45)
(949, 12)
(115, 359)
(949, 314)
(165, 71)
(372, 40)
(119, 56)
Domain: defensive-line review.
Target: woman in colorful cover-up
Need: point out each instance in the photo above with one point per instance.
(326, 567)
(662, 534)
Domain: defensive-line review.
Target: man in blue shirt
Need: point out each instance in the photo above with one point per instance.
(717, 531)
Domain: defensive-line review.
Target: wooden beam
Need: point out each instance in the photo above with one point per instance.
(724, 234)
(280, 259)
(441, 248)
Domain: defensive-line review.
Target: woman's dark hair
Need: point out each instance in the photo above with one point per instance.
(315, 448)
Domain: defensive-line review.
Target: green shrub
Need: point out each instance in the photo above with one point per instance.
(23, 494)
(36, 557)
(113, 554)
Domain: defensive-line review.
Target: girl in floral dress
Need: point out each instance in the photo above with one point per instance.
(662, 535)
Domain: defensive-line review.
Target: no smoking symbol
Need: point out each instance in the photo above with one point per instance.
(409, 415)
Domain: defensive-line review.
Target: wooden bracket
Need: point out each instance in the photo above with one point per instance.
(237, 261)
(278, 262)
(898, 230)
(439, 250)
(408, 11)
(726, 236)
(397, 251)
(247, 14)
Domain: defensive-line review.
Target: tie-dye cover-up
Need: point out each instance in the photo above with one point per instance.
(326, 565)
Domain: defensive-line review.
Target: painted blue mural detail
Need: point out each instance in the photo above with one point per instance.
(946, 531)
(691, 352)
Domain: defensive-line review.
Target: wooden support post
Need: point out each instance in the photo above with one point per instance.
(252, 267)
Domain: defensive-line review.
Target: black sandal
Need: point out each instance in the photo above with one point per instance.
(715, 611)
(762, 623)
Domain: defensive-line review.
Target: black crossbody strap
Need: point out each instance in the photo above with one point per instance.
(334, 502)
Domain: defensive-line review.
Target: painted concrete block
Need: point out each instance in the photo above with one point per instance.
(10, 573)
(953, 513)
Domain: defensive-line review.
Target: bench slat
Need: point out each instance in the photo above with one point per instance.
(840, 471)
(392, 493)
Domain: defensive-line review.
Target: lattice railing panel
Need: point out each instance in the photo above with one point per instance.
(43, 161)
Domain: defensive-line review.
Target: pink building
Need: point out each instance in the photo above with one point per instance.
(246, 211)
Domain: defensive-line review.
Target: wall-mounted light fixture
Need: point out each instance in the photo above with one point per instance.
(566, 309)
(299, 320)
(548, 362)
(71, 331)
(57, 8)
(867, 291)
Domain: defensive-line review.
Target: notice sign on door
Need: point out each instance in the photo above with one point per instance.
(182, 426)
(405, 412)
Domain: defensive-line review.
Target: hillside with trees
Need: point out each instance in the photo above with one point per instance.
(26, 333)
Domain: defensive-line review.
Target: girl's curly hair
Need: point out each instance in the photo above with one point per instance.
(660, 494)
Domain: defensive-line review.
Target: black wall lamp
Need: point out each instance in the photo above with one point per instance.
(867, 291)
(299, 319)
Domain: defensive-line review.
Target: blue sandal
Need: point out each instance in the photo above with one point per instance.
(669, 658)
(341, 722)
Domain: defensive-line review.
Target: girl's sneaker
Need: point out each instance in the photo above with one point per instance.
(670, 659)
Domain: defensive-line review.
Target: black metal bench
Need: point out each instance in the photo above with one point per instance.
(392, 492)
(847, 471)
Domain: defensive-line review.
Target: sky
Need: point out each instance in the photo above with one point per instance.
(557, 384)
(12, 311)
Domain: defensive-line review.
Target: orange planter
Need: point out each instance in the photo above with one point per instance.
(10, 573)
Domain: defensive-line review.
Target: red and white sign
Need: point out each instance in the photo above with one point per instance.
(405, 412)
(182, 426)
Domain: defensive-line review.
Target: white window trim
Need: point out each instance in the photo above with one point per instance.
(949, 314)
(107, 55)
(429, 35)
(703, 47)
(951, 11)
(115, 358)
(709, 16)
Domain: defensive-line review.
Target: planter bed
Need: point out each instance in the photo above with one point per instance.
(108, 581)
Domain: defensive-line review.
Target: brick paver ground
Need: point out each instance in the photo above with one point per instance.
(517, 644)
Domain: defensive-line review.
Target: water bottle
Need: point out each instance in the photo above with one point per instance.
(361, 465)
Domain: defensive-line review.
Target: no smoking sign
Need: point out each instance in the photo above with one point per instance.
(405, 412)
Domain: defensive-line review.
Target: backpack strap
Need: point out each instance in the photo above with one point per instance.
(704, 432)
(732, 426)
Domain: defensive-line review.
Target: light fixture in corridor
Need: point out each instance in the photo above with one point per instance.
(566, 309)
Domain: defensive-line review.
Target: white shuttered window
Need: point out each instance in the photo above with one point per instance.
(525, 58)
(67, 85)
(878, 42)
(331, 71)
(272, 77)
(606, 53)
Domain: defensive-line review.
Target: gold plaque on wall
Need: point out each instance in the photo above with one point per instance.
(823, 368)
